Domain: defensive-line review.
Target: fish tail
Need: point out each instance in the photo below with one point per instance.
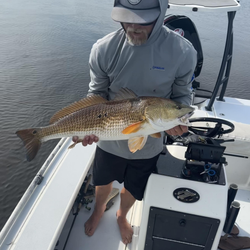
(31, 141)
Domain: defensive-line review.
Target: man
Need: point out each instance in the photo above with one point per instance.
(151, 60)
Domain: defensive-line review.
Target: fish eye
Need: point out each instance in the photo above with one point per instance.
(178, 107)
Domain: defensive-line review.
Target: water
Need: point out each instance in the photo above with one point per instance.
(44, 51)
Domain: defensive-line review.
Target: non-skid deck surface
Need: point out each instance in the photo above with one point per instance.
(243, 219)
(107, 235)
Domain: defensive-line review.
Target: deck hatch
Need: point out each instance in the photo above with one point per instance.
(168, 229)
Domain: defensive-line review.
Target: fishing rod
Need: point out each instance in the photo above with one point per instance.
(82, 199)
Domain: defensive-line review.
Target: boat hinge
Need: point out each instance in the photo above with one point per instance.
(39, 179)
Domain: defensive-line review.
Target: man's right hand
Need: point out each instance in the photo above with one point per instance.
(87, 140)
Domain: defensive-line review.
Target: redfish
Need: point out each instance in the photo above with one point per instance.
(127, 117)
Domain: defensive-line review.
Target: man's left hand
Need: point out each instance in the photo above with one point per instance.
(178, 130)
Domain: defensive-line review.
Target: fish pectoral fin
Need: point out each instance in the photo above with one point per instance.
(73, 145)
(156, 135)
(133, 128)
(137, 143)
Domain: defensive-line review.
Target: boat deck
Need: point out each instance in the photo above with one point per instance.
(107, 235)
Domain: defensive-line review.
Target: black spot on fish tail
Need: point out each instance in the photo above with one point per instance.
(31, 141)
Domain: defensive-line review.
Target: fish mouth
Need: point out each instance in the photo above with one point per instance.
(185, 118)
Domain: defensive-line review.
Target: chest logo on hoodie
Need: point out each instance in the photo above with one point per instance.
(158, 68)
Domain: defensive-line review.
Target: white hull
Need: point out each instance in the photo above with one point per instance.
(49, 205)
(43, 217)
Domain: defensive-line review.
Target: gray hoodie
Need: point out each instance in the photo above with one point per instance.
(163, 67)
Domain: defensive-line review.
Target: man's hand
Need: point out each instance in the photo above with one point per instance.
(87, 140)
(178, 130)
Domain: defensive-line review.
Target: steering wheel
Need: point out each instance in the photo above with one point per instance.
(211, 132)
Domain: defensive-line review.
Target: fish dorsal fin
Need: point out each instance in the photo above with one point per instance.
(124, 93)
(137, 143)
(76, 106)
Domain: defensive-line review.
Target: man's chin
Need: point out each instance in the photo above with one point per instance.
(136, 41)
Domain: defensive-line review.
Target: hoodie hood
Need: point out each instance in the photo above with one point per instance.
(159, 23)
(141, 11)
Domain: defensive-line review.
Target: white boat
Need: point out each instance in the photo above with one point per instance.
(181, 209)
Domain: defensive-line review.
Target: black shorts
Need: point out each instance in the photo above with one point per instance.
(134, 173)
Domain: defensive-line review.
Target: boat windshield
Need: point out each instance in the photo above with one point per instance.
(205, 5)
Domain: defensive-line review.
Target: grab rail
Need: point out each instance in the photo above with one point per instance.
(33, 185)
(225, 64)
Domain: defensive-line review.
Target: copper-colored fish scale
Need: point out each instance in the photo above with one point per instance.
(102, 119)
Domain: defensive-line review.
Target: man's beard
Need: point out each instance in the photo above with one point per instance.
(133, 40)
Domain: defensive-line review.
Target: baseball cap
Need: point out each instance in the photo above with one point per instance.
(135, 11)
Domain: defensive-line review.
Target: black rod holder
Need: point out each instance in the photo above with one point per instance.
(232, 216)
(232, 191)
